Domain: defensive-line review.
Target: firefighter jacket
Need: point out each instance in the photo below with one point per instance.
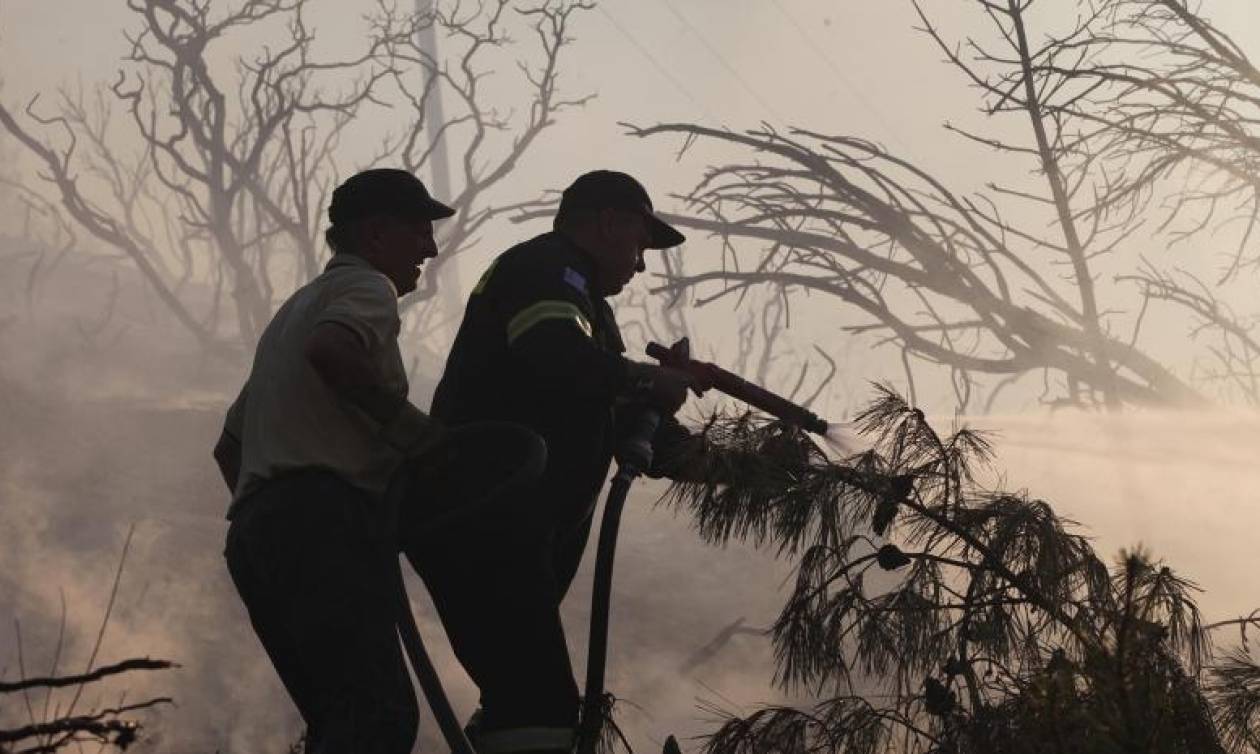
(539, 346)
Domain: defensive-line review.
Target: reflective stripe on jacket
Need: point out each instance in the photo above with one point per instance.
(539, 346)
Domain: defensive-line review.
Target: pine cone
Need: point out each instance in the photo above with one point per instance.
(890, 558)
(885, 512)
(937, 699)
(900, 487)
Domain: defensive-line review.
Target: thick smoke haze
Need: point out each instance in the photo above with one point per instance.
(108, 410)
(100, 440)
(79, 474)
(85, 462)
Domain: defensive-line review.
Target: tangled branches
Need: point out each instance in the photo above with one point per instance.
(931, 614)
(108, 726)
(56, 727)
(1135, 118)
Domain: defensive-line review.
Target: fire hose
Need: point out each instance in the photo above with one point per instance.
(523, 454)
(634, 456)
(705, 376)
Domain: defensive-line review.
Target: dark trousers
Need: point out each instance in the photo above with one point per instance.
(306, 554)
(497, 586)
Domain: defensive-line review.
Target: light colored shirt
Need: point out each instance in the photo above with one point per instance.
(287, 417)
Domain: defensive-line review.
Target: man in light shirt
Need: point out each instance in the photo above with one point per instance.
(308, 449)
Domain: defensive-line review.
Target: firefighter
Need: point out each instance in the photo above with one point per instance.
(539, 346)
(308, 449)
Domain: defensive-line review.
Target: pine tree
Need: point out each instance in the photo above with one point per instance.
(933, 615)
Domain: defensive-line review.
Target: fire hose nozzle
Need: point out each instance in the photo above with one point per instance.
(713, 376)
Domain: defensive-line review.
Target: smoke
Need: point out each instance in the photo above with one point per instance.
(843, 440)
(81, 474)
(102, 436)
(1181, 483)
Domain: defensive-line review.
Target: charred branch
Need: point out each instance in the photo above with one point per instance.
(846, 218)
(142, 663)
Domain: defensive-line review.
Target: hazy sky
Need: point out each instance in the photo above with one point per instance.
(840, 66)
(836, 66)
(851, 67)
(831, 65)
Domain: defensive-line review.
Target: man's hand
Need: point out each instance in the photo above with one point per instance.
(681, 349)
(669, 388)
(679, 357)
(663, 387)
(678, 453)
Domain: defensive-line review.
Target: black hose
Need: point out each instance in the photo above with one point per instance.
(601, 609)
(426, 674)
(633, 455)
(528, 457)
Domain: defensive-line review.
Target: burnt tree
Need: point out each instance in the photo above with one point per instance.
(1002, 283)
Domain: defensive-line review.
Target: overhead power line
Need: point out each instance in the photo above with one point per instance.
(891, 129)
(665, 72)
(723, 61)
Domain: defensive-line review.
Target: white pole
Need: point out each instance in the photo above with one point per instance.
(439, 160)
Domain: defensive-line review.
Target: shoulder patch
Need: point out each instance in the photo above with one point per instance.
(575, 279)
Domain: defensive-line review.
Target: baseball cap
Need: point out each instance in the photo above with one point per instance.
(388, 191)
(609, 189)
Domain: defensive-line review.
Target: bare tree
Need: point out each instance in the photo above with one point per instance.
(238, 158)
(489, 140)
(1169, 112)
(1230, 362)
(102, 224)
(107, 726)
(1169, 109)
(978, 284)
(45, 238)
(847, 219)
(244, 158)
